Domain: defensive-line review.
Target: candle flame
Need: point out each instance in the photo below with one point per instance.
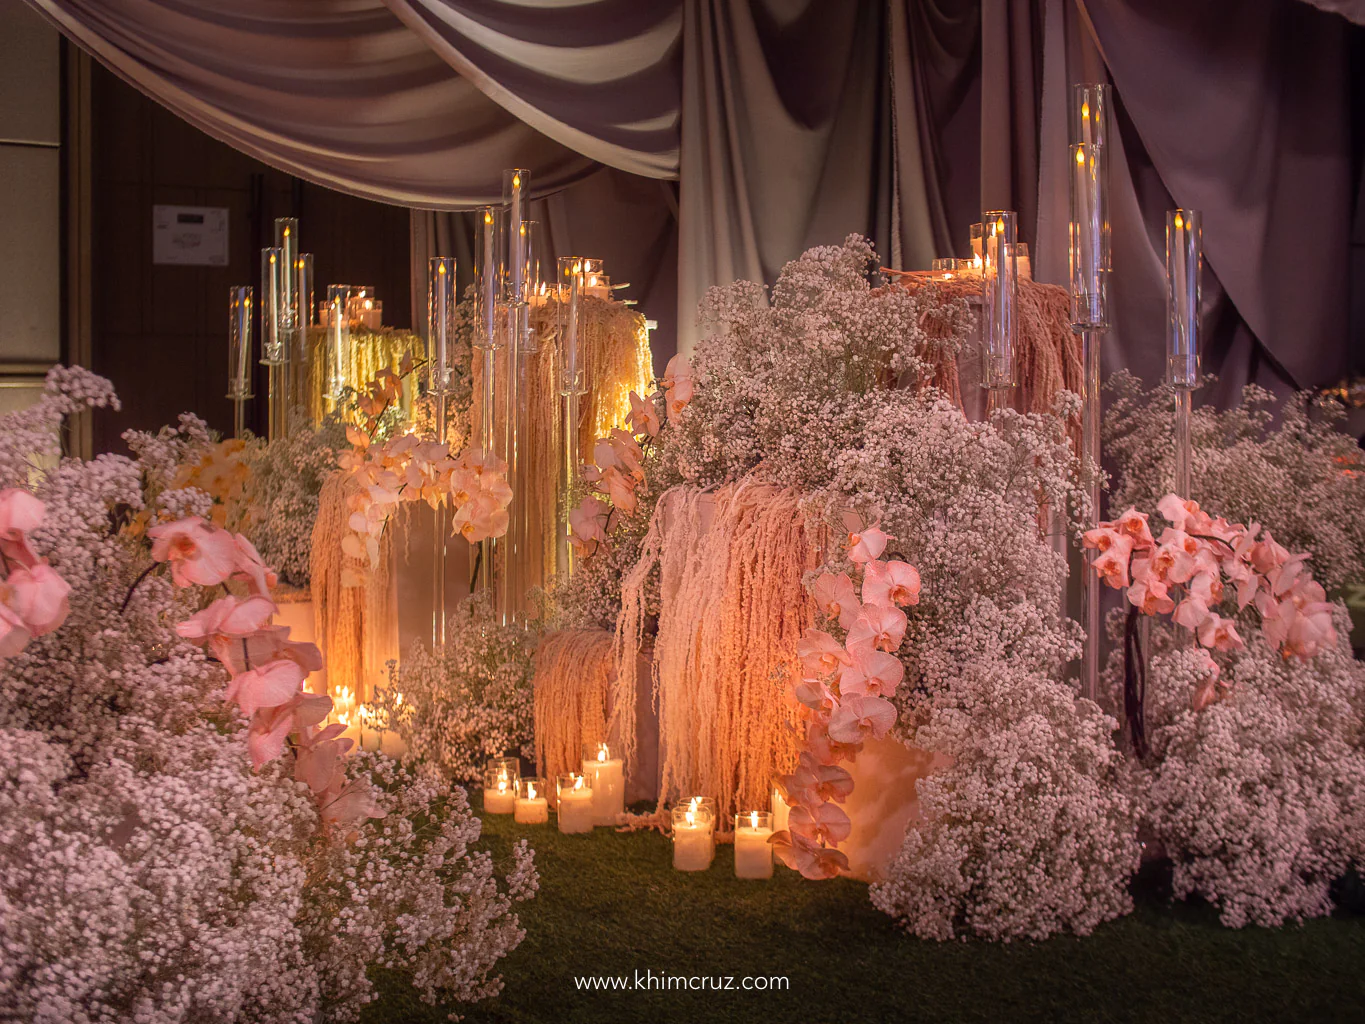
(691, 819)
(488, 216)
(602, 753)
(578, 782)
(272, 257)
(1085, 110)
(753, 819)
(502, 784)
(1000, 224)
(1080, 155)
(1179, 221)
(516, 181)
(530, 790)
(286, 232)
(693, 804)
(441, 269)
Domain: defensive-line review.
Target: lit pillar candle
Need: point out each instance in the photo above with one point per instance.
(707, 806)
(753, 851)
(608, 783)
(574, 808)
(500, 785)
(533, 807)
(694, 843)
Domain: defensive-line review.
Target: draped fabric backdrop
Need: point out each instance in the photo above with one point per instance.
(788, 123)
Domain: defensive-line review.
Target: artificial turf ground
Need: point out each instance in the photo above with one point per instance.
(611, 904)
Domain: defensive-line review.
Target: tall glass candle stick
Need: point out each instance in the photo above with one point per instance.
(1090, 263)
(301, 353)
(1000, 304)
(338, 342)
(488, 272)
(240, 313)
(514, 563)
(275, 336)
(1184, 264)
(440, 381)
(572, 290)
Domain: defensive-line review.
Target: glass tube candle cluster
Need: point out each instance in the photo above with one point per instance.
(500, 778)
(338, 341)
(1184, 266)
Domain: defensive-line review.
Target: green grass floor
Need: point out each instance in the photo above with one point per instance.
(611, 904)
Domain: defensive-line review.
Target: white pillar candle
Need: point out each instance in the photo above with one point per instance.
(707, 806)
(694, 844)
(533, 807)
(608, 783)
(575, 811)
(499, 798)
(753, 851)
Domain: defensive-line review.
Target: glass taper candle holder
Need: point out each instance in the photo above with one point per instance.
(441, 326)
(274, 333)
(1184, 264)
(287, 241)
(694, 841)
(338, 340)
(573, 803)
(240, 311)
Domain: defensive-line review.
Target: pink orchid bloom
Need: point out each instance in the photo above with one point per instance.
(825, 823)
(1219, 633)
(266, 686)
(837, 598)
(1207, 587)
(199, 553)
(679, 396)
(1149, 594)
(860, 716)
(867, 545)
(346, 803)
(644, 415)
(820, 781)
(1133, 525)
(1300, 628)
(826, 749)
(228, 617)
(816, 695)
(1112, 565)
(587, 524)
(1190, 613)
(495, 486)
(270, 727)
(820, 653)
(270, 643)
(1208, 691)
(873, 673)
(1267, 555)
(479, 519)
(14, 632)
(881, 626)
(1104, 537)
(20, 514)
(1185, 515)
(677, 370)
(619, 488)
(893, 582)
(319, 756)
(629, 454)
(1174, 560)
(810, 859)
(38, 596)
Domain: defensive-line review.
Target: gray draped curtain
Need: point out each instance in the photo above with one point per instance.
(794, 122)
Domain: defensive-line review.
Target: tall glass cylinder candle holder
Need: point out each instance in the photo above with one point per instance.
(1000, 300)
(301, 345)
(489, 269)
(1089, 259)
(440, 383)
(516, 557)
(240, 313)
(287, 241)
(608, 782)
(272, 300)
(573, 807)
(753, 845)
(571, 289)
(338, 342)
(694, 841)
(1184, 267)
(976, 233)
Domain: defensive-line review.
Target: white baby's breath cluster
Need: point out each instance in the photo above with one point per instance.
(34, 435)
(1258, 798)
(1026, 828)
(459, 706)
(146, 873)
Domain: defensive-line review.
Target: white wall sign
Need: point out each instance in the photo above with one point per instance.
(190, 235)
